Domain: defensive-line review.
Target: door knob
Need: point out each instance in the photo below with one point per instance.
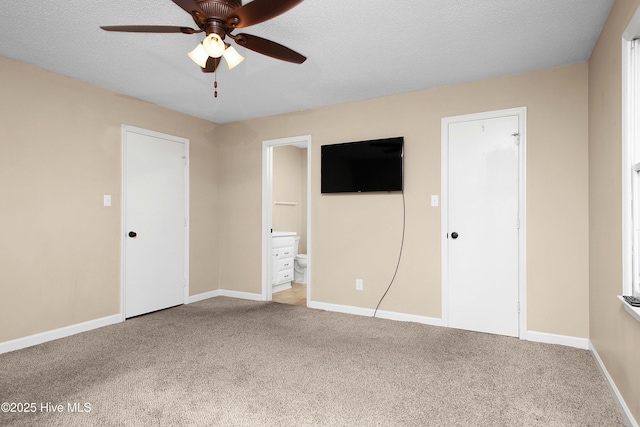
(454, 235)
(132, 234)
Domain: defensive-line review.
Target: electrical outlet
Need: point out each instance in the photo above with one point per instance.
(359, 284)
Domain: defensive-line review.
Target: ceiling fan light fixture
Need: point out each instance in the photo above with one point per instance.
(217, 19)
(214, 45)
(232, 57)
(199, 55)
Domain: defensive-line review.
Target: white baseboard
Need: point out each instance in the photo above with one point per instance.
(623, 405)
(368, 312)
(204, 296)
(55, 334)
(241, 295)
(225, 293)
(403, 317)
(347, 309)
(568, 341)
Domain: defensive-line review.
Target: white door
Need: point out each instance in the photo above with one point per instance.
(482, 237)
(155, 220)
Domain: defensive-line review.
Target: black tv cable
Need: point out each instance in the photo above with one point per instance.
(404, 226)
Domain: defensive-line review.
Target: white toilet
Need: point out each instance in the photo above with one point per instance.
(300, 263)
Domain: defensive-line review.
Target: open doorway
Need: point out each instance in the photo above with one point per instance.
(286, 220)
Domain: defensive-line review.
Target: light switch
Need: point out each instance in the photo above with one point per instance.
(434, 200)
(107, 200)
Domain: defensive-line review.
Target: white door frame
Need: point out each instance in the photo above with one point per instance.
(521, 112)
(123, 208)
(267, 209)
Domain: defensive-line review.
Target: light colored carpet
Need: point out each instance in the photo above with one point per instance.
(240, 363)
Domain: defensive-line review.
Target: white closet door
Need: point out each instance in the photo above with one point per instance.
(483, 236)
(155, 223)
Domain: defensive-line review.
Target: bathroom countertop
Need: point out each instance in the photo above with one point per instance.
(282, 233)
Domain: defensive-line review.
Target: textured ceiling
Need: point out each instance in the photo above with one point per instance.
(356, 50)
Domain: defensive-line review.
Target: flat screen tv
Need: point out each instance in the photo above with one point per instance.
(363, 166)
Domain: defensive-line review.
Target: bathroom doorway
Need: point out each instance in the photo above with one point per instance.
(286, 220)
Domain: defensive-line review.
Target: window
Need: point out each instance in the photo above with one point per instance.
(631, 158)
(633, 142)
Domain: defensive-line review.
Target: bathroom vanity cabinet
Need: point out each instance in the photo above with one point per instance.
(282, 258)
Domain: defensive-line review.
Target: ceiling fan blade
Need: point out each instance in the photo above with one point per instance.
(192, 8)
(259, 11)
(151, 29)
(269, 48)
(212, 64)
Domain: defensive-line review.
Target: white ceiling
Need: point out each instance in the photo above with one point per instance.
(358, 49)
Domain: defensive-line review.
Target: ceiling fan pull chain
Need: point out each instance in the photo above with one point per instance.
(215, 84)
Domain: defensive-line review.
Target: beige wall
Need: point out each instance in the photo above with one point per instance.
(290, 185)
(614, 334)
(60, 152)
(358, 236)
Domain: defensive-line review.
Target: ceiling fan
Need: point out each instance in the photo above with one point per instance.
(218, 19)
